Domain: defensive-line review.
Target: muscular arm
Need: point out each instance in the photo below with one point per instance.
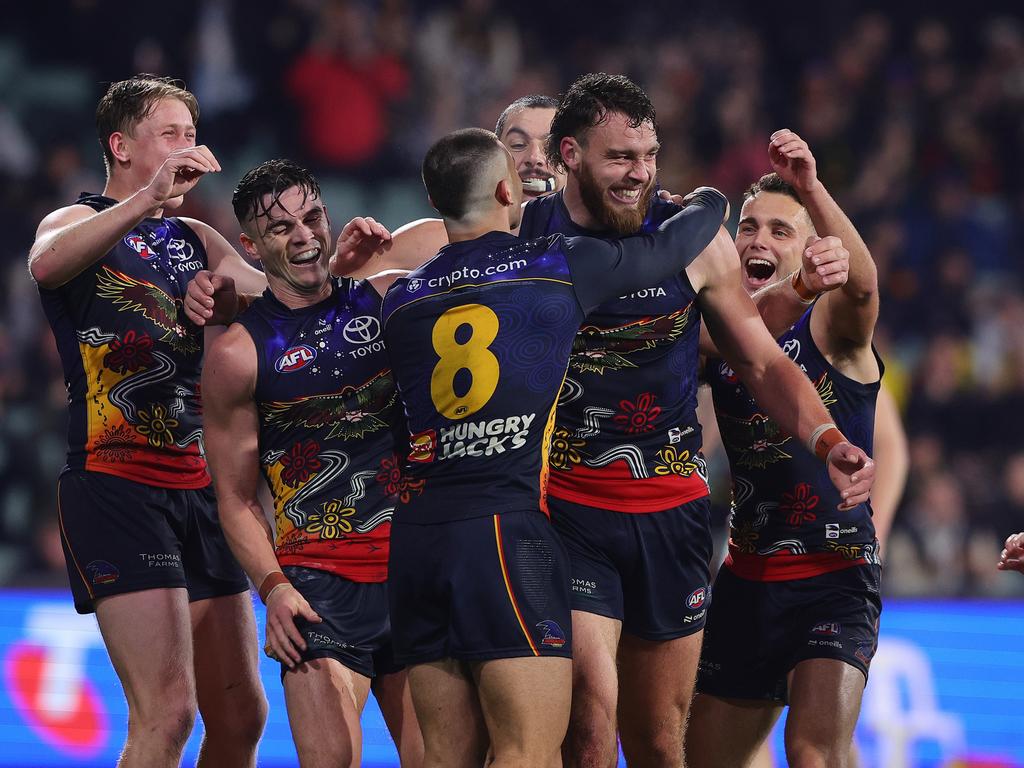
(411, 245)
(231, 432)
(602, 269)
(72, 239)
(781, 389)
(892, 460)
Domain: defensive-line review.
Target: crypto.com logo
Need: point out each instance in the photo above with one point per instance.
(45, 676)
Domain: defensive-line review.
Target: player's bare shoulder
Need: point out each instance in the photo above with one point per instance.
(230, 366)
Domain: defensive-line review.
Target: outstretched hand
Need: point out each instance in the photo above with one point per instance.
(1012, 556)
(791, 158)
(852, 472)
(360, 240)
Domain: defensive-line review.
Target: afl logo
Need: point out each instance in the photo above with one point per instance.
(295, 359)
(361, 330)
(696, 598)
(138, 244)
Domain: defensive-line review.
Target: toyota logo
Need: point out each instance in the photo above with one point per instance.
(361, 330)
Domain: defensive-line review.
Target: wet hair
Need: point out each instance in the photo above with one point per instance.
(534, 101)
(455, 166)
(127, 102)
(771, 182)
(273, 178)
(588, 101)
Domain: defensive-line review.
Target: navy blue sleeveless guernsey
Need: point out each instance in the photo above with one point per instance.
(479, 340)
(785, 522)
(131, 357)
(327, 410)
(626, 435)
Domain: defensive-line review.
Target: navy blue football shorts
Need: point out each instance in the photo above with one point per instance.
(121, 536)
(648, 570)
(484, 588)
(758, 631)
(354, 630)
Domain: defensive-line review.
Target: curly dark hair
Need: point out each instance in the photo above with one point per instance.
(274, 178)
(126, 102)
(588, 101)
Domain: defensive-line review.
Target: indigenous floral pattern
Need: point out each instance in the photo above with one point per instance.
(130, 353)
(397, 484)
(745, 537)
(672, 462)
(798, 505)
(115, 445)
(301, 464)
(331, 522)
(639, 416)
(156, 427)
(564, 450)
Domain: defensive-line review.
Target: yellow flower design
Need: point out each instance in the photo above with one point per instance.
(564, 450)
(331, 522)
(673, 463)
(745, 538)
(156, 427)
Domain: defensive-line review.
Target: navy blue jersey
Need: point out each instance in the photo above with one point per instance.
(327, 410)
(626, 434)
(479, 340)
(785, 521)
(131, 357)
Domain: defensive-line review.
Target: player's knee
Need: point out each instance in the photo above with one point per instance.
(240, 723)
(170, 723)
(802, 753)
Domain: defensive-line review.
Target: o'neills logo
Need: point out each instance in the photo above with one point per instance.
(422, 446)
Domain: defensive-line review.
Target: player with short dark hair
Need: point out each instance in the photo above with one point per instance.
(479, 338)
(523, 128)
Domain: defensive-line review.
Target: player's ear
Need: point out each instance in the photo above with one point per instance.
(571, 152)
(249, 246)
(119, 147)
(503, 193)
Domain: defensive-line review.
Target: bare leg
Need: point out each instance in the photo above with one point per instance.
(448, 710)
(591, 740)
(325, 699)
(824, 704)
(230, 693)
(525, 703)
(726, 733)
(656, 681)
(149, 639)
(395, 700)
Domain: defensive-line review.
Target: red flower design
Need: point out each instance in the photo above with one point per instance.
(638, 416)
(395, 483)
(130, 353)
(798, 505)
(301, 463)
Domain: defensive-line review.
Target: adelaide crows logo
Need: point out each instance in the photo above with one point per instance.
(554, 637)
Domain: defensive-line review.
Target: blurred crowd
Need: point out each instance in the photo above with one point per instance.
(917, 123)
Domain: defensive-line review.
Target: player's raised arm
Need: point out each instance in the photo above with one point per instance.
(603, 269)
(776, 383)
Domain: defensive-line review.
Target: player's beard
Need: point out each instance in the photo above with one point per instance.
(617, 219)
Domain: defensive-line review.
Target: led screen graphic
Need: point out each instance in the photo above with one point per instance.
(945, 690)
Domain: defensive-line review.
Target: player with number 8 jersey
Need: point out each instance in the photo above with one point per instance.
(479, 339)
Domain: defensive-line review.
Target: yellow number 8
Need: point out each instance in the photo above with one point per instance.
(473, 355)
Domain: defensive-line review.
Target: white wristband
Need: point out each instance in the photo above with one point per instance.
(812, 441)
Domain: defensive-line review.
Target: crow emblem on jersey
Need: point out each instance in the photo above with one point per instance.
(756, 440)
(348, 414)
(596, 350)
(155, 304)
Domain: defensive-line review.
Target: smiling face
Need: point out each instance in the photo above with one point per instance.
(141, 150)
(615, 169)
(524, 135)
(291, 237)
(771, 237)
